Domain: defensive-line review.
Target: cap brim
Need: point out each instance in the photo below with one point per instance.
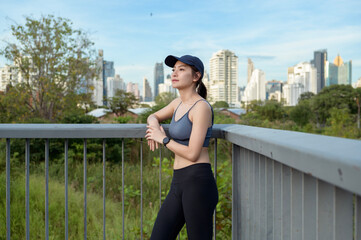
(171, 60)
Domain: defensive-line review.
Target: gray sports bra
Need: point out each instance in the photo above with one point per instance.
(180, 131)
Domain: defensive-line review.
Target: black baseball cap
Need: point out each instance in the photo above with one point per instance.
(171, 60)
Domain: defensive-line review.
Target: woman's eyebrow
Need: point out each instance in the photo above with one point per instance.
(183, 65)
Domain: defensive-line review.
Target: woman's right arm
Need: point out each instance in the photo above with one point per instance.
(163, 114)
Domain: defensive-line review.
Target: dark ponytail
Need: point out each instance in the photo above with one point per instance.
(201, 88)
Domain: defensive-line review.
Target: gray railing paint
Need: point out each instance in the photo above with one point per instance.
(285, 184)
(291, 185)
(66, 186)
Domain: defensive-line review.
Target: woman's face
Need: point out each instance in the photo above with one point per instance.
(183, 76)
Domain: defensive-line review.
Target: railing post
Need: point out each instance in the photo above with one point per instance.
(357, 214)
(141, 189)
(8, 229)
(27, 162)
(85, 186)
(123, 189)
(236, 220)
(66, 186)
(47, 189)
(215, 179)
(160, 177)
(104, 235)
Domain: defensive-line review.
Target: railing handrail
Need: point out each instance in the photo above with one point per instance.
(83, 130)
(332, 159)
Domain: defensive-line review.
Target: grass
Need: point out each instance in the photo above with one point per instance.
(94, 197)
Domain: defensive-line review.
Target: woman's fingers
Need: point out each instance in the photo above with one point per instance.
(161, 129)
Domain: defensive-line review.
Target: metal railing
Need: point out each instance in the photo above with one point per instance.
(286, 185)
(291, 185)
(76, 131)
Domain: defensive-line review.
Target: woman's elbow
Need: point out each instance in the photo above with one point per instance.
(152, 118)
(193, 156)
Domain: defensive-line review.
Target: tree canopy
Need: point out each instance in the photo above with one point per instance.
(53, 63)
(122, 101)
(334, 96)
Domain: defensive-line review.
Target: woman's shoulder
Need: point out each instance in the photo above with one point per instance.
(203, 103)
(202, 106)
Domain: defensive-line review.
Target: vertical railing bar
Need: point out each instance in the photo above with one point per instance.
(215, 178)
(47, 189)
(141, 189)
(104, 188)
(66, 187)
(27, 161)
(85, 186)
(123, 189)
(8, 189)
(160, 177)
(357, 216)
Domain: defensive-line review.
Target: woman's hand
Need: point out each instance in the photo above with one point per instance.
(154, 136)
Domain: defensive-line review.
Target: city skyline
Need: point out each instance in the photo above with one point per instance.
(275, 35)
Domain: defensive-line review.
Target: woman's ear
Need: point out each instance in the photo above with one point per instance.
(196, 77)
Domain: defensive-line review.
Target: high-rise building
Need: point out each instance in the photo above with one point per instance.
(256, 88)
(114, 84)
(274, 90)
(250, 68)
(167, 86)
(291, 93)
(338, 72)
(319, 62)
(147, 91)
(358, 83)
(302, 77)
(106, 69)
(224, 77)
(305, 74)
(206, 81)
(133, 88)
(158, 77)
(9, 75)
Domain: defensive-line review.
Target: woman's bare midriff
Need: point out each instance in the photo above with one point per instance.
(180, 162)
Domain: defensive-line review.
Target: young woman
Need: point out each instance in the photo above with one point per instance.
(193, 195)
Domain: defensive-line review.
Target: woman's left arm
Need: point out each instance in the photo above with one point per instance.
(201, 119)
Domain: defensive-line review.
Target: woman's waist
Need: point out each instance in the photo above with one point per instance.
(181, 162)
(193, 171)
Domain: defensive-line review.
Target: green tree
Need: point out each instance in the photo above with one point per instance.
(301, 114)
(165, 98)
(161, 101)
(340, 123)
(53, 63)
(334, 96)
(220, 104)
(271, 110)
(306, 96)
(12, 108)
(358, 103)
(122, 101)
(253, 106)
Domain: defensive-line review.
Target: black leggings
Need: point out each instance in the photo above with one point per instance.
(192, 199)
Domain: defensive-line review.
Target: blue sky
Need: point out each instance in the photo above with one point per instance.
(136, 34)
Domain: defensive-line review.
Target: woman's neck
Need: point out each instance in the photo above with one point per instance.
(188, 97)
